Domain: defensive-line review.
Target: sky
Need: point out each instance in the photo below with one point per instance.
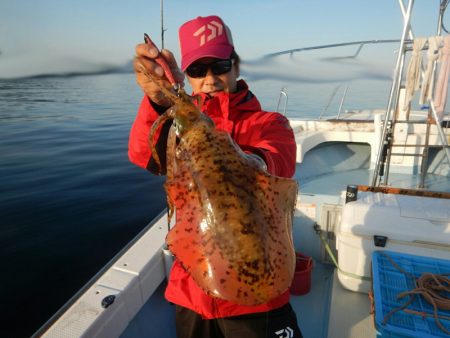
(69, 35)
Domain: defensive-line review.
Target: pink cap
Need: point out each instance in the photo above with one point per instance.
(204, 37)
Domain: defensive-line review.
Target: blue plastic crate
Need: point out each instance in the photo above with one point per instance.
(388, 281)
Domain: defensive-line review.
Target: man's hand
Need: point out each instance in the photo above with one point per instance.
(145, 55)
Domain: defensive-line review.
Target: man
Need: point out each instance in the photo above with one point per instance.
(211, 66)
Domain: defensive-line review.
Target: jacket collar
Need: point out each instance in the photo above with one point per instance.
(231, 103)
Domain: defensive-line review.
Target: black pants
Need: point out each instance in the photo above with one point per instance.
(279, 323)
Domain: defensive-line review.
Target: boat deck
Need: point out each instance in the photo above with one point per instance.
(313, 308)
(358, 320)
(319, 312)
(155, 319)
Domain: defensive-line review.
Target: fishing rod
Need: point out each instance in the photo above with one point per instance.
(161, 7)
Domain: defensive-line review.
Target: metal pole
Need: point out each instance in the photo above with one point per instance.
(402, 8)
(393, 88)
(342, 102)
(282, 93)
(433, 109)
(394, 118)
(440, 131)
(329, 101)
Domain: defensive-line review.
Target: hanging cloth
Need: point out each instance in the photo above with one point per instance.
(440, 95)
(433, 54)
(414, 71)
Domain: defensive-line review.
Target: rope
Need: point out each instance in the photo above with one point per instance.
(432, 287)
(318, 231)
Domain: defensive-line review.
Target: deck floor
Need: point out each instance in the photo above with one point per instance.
(157, 317)
(358, 321)
(312, 309)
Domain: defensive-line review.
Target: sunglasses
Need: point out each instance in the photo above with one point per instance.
(219, 67)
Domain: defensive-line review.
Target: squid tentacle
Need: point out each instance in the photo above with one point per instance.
(152, 142)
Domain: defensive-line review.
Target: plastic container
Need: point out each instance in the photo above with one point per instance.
(389, 282)
(301, 284)
(404, 222)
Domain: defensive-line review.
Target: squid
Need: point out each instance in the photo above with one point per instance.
(234, 220)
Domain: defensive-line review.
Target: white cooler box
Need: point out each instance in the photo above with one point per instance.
(377, 221)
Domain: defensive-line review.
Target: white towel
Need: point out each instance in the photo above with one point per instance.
(414, 71)
(433, 54)
(440, 95)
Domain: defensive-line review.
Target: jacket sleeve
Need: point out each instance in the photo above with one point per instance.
(273, 139)
(139, 151)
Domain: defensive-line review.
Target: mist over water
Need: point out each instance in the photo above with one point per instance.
(300, 69)
(323, 66)
(13, 68)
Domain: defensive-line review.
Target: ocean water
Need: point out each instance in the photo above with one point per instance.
(70, 199)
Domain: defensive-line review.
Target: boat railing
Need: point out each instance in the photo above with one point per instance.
(341, 104)
(94, 279)
(283, 94)
(359, 44)
(285, 97)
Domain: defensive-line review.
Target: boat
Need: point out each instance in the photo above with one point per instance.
(373, 184)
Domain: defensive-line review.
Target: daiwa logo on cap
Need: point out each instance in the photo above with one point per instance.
(215, 30)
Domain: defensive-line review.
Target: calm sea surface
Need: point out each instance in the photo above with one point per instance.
(70, 199)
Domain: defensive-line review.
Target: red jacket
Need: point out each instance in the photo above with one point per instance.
(266, 134)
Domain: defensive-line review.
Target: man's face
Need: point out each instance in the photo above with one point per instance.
(210, 83)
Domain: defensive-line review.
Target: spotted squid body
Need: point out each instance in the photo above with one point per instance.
(234, 220)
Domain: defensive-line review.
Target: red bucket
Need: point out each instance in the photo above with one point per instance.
(301, 284)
